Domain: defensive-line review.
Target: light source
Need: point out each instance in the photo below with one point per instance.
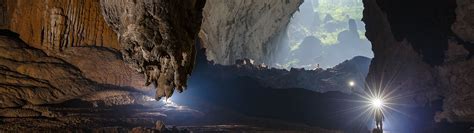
(351, 83)
(377, 103)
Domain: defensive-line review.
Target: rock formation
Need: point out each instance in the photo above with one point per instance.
(153, 40)
(31, 77)
(103, 65)
(240, 29)
(57, 24)
(157, 38)
(423, 54)
(318, 80)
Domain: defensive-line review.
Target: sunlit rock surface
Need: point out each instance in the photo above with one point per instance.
(240, 29)
(423, 54)
(157, 38)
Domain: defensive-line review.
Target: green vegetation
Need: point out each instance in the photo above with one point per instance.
(319, 25)
(340, 10)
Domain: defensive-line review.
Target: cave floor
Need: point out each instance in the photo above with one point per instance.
(127, 118)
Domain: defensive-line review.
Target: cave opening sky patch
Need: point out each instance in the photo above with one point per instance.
(324, 32)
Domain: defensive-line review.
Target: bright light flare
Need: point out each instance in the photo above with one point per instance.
(351, 83)
(377, 103)
(167, 101)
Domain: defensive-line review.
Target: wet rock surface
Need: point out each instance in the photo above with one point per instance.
(157, 39)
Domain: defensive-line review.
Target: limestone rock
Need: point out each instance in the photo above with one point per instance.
(455, 77)
(318, 80)
(57, 24)
(29, 76)
(464, 25)
(103, 65)
(157, 38)
(240, 29)
(19, 113)
(160, 126)
(419, 60)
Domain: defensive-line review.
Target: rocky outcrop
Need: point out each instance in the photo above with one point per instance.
(57, 24)
(103, 65)
(464, 24)
(157, 38)
(423, 54)
(32, 77)
(318, 80)
(240, 29)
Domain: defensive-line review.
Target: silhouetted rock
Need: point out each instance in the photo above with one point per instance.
(320, 80)
(422, 60)
(309, 52)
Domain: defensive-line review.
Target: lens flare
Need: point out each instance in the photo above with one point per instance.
(377, 103)
(351, 83)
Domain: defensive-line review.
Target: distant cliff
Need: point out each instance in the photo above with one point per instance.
(240, 29)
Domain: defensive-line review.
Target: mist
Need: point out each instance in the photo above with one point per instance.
(322, 34)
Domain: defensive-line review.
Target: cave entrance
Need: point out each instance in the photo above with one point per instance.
(323, 34)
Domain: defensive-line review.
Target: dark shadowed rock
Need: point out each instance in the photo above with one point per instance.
(423, 54)
(160, 126)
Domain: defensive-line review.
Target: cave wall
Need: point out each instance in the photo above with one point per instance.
(231, 29)
(240, 29)
(55, 51)
(423, 52)
(58, 51)
(148, 37)
(57, 24)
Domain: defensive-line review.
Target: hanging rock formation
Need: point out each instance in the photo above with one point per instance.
(423, 51)
(240, 29)
(157, 38)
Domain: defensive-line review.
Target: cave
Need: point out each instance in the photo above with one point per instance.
(237, 66)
